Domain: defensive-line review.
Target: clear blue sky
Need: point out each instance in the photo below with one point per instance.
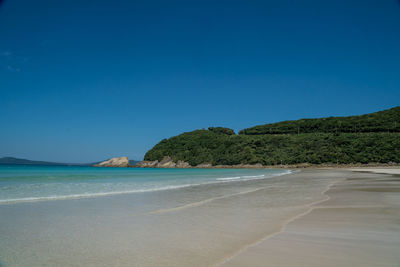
(82, 81)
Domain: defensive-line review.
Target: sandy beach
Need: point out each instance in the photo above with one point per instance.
(357, 225)
(333, 217)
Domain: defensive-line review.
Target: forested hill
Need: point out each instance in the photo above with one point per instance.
(382, 121)
(367, 138)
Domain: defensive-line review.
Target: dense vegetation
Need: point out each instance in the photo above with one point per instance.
(221, 146)
(221, 130)
(383, 121)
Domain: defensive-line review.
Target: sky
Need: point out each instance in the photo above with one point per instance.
(86, 80)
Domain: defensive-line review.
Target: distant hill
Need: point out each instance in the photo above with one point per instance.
(18, 161)
(370, 138)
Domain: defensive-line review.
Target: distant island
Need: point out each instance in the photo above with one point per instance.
(370, 138)
(18, 161)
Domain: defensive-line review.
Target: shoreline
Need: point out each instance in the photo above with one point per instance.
(168, 162)
(256, 175)
(198, 225)
(291, 166)
(305, 231)
(310, 217)
(281, 229)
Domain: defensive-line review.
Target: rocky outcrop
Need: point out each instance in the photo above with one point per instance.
(240, 166)
(204, 165)
(185, 165)
(182, 164)
(114, 162)
(166, 162)
(147, 164)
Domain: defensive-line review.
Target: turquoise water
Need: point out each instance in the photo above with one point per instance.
(44, 183)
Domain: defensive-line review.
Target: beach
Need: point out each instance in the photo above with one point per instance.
(357, 225)
(312, 217)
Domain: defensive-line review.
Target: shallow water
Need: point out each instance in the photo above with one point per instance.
(199, 224)
(33, 183)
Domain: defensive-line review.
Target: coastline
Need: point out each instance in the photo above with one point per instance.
(282, 228)
(168, 163)
(334, 231)
(311, 217)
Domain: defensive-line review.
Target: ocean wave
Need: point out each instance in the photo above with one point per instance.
(253, 177)
(111, 193)
(90, 195)
(228, 178)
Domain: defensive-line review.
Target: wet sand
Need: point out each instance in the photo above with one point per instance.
(358, 225)
(390, 170)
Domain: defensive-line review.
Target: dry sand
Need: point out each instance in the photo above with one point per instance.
(357, 225)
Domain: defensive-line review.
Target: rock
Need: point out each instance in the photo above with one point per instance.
(248, 166)
(182, 164)
(257, 165)
(166, 162)
(147, 164)
(114, 162)
(204, 165)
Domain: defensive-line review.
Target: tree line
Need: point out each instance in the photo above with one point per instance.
(312, 141)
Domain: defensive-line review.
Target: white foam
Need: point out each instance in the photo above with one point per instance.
(253, 177)
(111, 193)
(228, 178)
(89, 195)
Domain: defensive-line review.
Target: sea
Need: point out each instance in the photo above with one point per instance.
(90, 216)
(24, 183)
